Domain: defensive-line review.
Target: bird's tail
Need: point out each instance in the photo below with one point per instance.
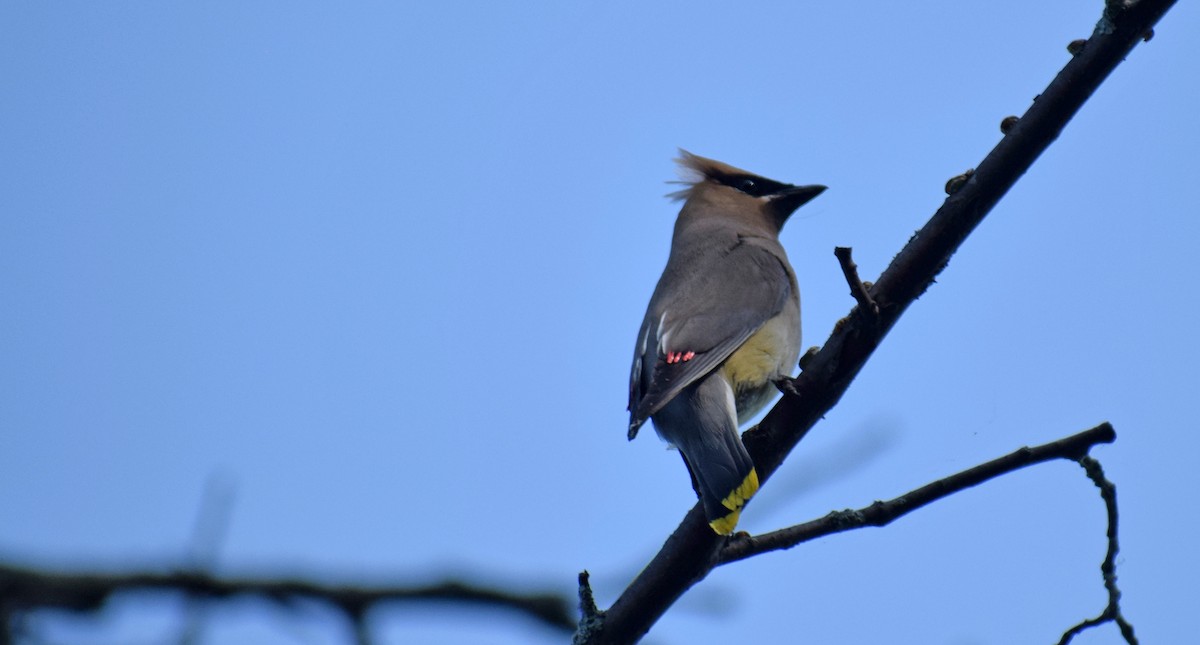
(702, 422)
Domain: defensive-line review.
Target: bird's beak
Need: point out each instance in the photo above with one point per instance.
(787, 201)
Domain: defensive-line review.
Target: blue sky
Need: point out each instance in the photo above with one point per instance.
(377, 270)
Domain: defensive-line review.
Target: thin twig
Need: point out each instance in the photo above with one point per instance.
(1108, 568)
(208, 534)
(866, 305)
(362, 631)
(743, 546)
(592, 616)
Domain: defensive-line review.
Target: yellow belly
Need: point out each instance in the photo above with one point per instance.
(763, 358)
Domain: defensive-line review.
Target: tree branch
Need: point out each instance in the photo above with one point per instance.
(1075, 447)
(693, 550)
(858, 289)
(23, 589)
(1108, 568)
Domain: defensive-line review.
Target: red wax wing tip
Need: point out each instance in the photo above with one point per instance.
(689, 356)
(679, 357)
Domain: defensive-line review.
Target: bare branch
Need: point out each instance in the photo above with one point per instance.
(587, 605)
(23, 589)
(866, 305)
(693, 550)
(1108, 568)
(742, 546)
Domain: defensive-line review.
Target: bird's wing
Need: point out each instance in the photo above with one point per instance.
(705, 317)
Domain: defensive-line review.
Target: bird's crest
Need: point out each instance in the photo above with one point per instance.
(694, 169)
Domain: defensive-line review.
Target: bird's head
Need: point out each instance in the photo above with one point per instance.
(722, 189)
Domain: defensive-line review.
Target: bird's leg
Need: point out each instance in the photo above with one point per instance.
(786, 385)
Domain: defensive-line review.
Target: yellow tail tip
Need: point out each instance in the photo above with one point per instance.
(725, 525)
(734, 502)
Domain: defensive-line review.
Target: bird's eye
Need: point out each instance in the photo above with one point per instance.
(747, 186)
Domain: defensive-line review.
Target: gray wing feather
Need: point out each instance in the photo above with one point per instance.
(710, 310)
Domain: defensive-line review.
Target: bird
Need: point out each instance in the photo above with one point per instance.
(722, 327)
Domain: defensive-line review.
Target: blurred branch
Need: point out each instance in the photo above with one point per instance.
(693, 550)
(23, 589)
(741, 546)
(1108, 568)
(212, 525)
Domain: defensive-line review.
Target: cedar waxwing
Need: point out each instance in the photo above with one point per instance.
(722, 326)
